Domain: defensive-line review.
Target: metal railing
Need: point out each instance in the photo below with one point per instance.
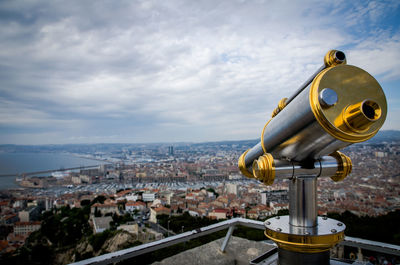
(128, 253)
(371, 245)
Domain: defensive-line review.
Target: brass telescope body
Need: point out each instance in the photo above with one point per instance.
(338, 106)
(306, 129)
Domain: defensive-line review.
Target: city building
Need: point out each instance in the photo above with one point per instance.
(218, 214)
(231, 188)
(170, 150)
(278, 196)
(76, 180)
(132, 206)
(148, 196)
(25, 228)
(154, 212)
(30, 214)
(104, 208)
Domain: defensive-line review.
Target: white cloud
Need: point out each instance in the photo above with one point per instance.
(379, 56)
(22, 116)
(187, 65)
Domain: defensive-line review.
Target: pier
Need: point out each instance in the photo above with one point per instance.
(46, 171)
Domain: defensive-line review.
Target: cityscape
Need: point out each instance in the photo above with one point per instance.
(126, 129)
(144, 182)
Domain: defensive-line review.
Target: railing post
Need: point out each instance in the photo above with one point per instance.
(227, 238)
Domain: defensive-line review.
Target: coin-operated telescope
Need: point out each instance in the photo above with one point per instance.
(337, 106)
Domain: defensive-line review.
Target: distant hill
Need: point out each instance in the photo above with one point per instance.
(382, 136)
(385, 136)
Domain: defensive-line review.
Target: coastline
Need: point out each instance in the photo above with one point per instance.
(13, 164)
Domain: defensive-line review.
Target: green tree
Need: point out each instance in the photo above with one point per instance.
(97, 212)
(99, 199)
(85, 203)
(382, 228)
(185, 220)
(97, 240)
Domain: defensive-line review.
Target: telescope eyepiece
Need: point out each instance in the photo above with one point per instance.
(334, 57)
(360, 116)
(339, 56)
(371, 110)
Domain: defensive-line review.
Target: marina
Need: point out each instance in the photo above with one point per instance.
(112, 188)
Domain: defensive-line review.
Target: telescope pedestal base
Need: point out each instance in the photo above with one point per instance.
(287, 257)
(304, 245)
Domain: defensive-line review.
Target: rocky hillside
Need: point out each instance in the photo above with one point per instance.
(86, 249)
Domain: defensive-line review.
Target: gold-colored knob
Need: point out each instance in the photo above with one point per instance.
(264, 169)
(344, 166)
(281, 106)
(242, 165)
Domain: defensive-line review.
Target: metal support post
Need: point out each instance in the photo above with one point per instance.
(227, 238)
(303, 237)
(303, 209)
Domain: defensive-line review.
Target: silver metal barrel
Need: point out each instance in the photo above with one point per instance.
(343, 105)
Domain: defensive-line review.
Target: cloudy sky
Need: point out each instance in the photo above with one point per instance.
(151, 71)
